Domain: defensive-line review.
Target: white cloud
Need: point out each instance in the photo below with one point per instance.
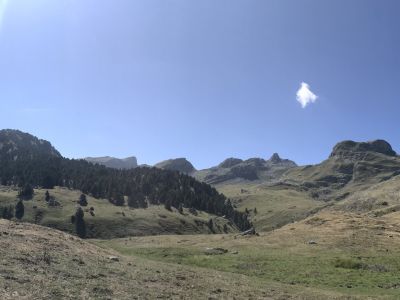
(3, 6)
(305, 96)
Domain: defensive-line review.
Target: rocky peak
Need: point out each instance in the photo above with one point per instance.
(230, 162)
(347, 148)
(275, 158)
(178, 164)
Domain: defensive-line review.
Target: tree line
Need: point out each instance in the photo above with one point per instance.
(140, 186)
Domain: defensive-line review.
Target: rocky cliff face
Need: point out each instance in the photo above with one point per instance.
(351, 148)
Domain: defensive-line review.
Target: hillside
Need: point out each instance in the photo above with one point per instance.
(351, 167)
(349, 178)
(139, 188)
(112, 162)
(17, 145)
(48, 264)
(330, 255)
(234, 170)
(110, 221)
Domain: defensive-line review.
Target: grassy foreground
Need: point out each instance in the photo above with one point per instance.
(333, 253)
(44, 263)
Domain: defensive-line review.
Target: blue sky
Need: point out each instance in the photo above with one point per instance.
(204, 79)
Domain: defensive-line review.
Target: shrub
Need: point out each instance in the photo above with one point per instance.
(346, 263)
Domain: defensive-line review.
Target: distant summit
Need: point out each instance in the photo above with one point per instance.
(115, 163)
(347, 148)
(230, 162)
(178, 164)
(236, 170)
(17, 145)
(350, 166)
(275, 158)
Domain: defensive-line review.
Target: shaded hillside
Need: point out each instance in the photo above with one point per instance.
(253, 169)
(351, 166)
(178, 164)
(112, 162)
(17, 145)
(141, 186)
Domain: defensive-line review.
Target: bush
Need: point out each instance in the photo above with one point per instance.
(346, 263)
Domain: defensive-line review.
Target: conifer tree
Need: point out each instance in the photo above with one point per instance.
(82, 200)
(80, 225)
(47, 196)
(19, 210)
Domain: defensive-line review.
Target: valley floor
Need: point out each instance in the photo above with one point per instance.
(332, 255)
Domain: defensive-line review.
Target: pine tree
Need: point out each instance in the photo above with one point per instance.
(255, 210)
(167, 205)
(19, 210)
(26, 192)
(80, 225)
(7, 213)
(211, 225)
(82, 200)
(47, 196)
(180, 208)
(4, 213)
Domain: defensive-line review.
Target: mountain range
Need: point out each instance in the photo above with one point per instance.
(231, 169)
(324, 231)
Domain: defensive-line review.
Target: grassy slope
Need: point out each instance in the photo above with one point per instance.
(354, 255)
(109, 220)
(48, 264)
(379, 199)
(355, 251)
(325, 178)
(276, 206)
